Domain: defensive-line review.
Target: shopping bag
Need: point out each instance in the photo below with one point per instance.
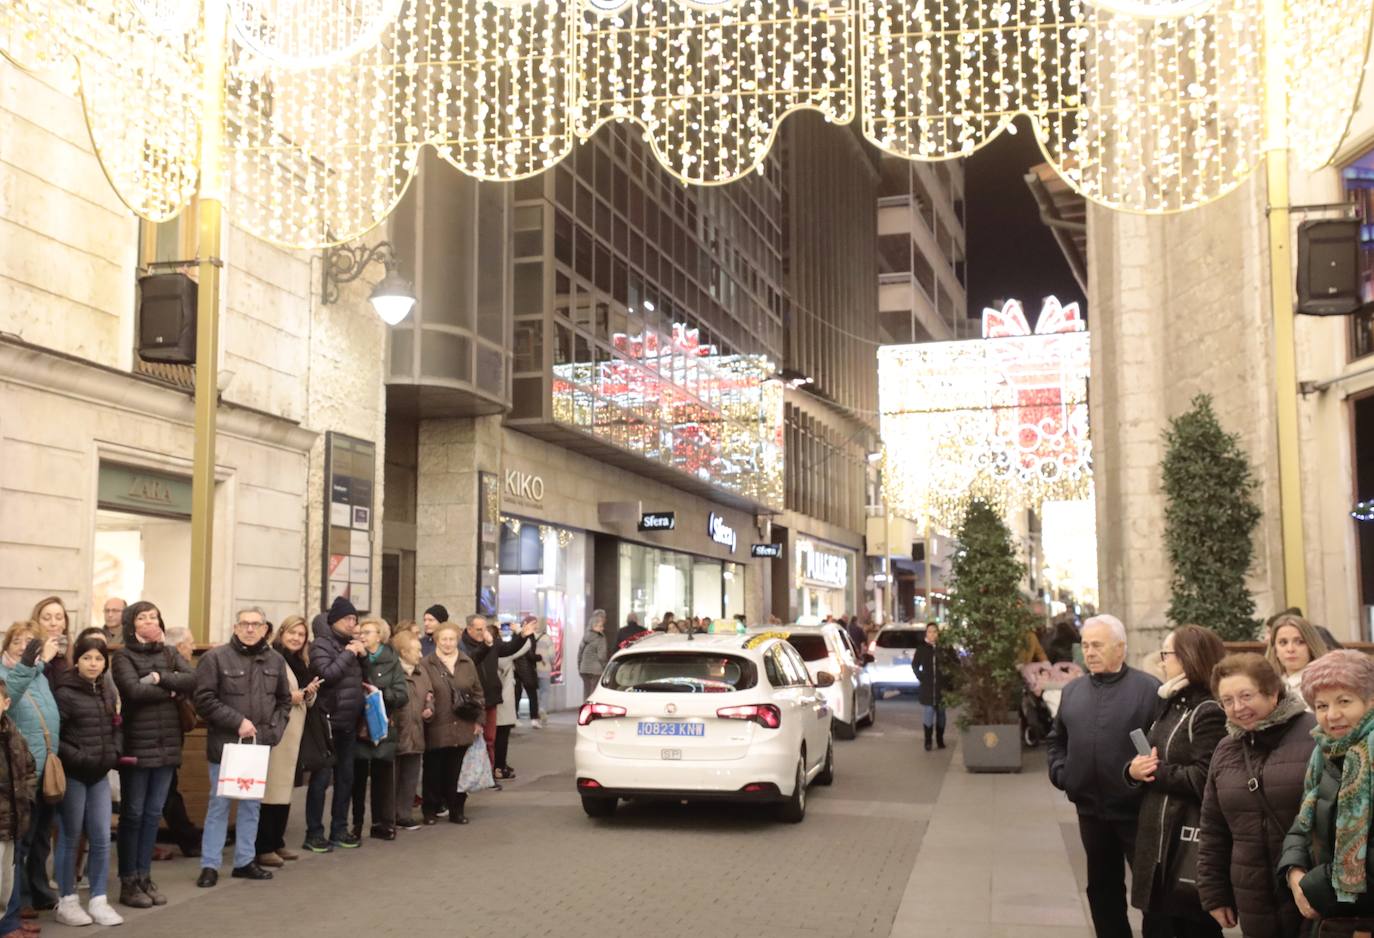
(374, 710)
(243, 771)
(475, 774)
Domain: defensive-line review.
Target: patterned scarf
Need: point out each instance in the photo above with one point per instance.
(1353, 804)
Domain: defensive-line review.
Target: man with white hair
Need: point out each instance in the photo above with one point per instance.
(1088, 753)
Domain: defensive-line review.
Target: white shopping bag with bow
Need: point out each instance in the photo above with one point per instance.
(243, 771)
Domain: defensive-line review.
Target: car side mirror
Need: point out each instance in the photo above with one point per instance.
(869, 659)
(825, 679)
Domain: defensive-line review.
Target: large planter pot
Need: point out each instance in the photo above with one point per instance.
(992, 748)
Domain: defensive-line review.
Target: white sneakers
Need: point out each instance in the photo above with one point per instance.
(69, 912)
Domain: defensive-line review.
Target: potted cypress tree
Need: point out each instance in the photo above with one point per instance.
(988, 624)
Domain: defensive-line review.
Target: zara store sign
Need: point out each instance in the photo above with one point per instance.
(721, 532)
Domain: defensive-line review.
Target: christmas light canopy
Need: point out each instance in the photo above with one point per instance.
(1003, 418)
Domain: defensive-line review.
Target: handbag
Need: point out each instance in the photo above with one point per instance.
(1181, 869)
(317, 742)
(243, 771)
(54, 776)
(475, 773)
(465, 705)
(186, 710)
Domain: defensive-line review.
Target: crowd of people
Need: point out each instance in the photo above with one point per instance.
(1239, 789)
(97, 724)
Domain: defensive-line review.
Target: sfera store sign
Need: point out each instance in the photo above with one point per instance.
(657, 521)
(720, 532)
(821, 566)
(766, 550)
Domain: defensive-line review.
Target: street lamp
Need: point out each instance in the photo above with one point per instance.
(393, 297)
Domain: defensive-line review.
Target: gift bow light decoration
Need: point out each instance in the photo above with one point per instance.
(1146, 105)
(1004, 418)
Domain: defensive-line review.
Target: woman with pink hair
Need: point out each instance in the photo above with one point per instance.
(1326, 861)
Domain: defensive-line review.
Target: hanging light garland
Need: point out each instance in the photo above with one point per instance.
(1363, 511)
(1144, 105)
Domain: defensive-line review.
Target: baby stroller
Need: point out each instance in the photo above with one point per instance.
(1044, 683)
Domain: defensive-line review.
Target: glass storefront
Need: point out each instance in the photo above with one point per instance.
(824, 575)
(543, 573)
(654, 581)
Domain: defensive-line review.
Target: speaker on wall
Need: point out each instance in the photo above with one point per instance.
(1329, 267)
(167, 318)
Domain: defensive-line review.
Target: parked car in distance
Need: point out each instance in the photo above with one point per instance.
(893, 649)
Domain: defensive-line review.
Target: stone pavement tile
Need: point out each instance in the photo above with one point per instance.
(956, 929)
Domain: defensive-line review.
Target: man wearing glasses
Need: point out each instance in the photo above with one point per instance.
(1089, 749)
(242, 693)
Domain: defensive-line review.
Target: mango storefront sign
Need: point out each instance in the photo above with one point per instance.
(143, 491)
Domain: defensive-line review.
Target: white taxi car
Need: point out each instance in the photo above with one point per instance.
(893, 649)
(826, 648)
(733, 717)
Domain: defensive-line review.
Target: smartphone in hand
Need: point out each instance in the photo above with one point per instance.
(1142, 745)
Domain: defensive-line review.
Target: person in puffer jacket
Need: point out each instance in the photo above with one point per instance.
(151, 677)
(336, 657)
(18, 789)
(89, 750)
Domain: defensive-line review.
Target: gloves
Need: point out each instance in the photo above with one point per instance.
(31, 650)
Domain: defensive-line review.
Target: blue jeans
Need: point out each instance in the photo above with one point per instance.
(932, 716)
(217, 828)
(142, 793)
(85, 809)
(342, 776)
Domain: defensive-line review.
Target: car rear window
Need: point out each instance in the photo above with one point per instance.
(900, 638)
(811, 647)
(680, 672)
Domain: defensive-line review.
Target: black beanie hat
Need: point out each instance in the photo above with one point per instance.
(341, 609)
(438, 611)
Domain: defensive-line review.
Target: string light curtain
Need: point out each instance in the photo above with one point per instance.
(1144, 105)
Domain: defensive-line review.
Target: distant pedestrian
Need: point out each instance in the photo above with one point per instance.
(336, 659)
(434, 616)
(1293, 644)
(506, 710)
(629, 631)
(526, 674)
(375, 758)
(242, 693)
(113, 611)
(484, 646)
(1090, 743)
(1187, 726)
(410, 727)
(89, 750)
(591, 655)
(458, 714)
(935, 668)
(291, 643)
(154, 682)
(544, 657)
(858, 636)
(1254, 787)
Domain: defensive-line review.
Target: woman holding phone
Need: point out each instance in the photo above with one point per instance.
(291, 643)
(1187, 726)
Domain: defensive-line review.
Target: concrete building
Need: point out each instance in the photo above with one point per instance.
(95, 443)
(1180, 305)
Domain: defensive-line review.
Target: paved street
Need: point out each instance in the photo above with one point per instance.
(904, 844)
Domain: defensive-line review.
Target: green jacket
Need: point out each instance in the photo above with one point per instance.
(1312, 852)
(385, 673)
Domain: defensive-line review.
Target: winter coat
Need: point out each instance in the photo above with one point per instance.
(410, 725)
(235, 683)
(1240, 843)
(1185, 732)
(1312, 852)
(152, 721)
(543, 651)
(487, 657)
(935, 668)
(18, 781)
(341, 674)
(1091, 741)
(525, 671)
(628, 631)
(281, 765)
(31, 696)
(90, 739)
(386, 674)
(591, 654)
(506, 710)
(444, 729)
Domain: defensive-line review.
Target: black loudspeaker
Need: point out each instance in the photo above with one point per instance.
(1329, 267)
(167, 319)
(918, 551)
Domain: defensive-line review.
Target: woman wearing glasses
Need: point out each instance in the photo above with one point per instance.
(1252, 797)
(1188, 725)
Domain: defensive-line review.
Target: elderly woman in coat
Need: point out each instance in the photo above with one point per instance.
(291, 643)
(410, 726)
(1253, 790)
(459, 713)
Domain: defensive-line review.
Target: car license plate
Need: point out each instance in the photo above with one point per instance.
(901, 661)
(671, 754)
(657, 728)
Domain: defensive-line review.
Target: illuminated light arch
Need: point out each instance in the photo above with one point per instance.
(1003, 418)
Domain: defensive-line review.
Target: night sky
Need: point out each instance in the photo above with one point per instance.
(1011, 254)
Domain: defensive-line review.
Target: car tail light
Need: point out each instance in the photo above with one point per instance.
(598, 711)
(765, 715)
(588, 783)
(756, 788)
(873, 647)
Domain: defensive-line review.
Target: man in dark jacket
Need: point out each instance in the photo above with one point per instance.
(336, 659)
(481, 645)
(631, 629)
(242, 692)
(435, 616)
(1090, 744)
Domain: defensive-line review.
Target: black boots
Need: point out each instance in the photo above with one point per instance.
(940, 737)
(929, 731)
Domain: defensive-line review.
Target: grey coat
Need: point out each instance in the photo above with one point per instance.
(591, 654)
